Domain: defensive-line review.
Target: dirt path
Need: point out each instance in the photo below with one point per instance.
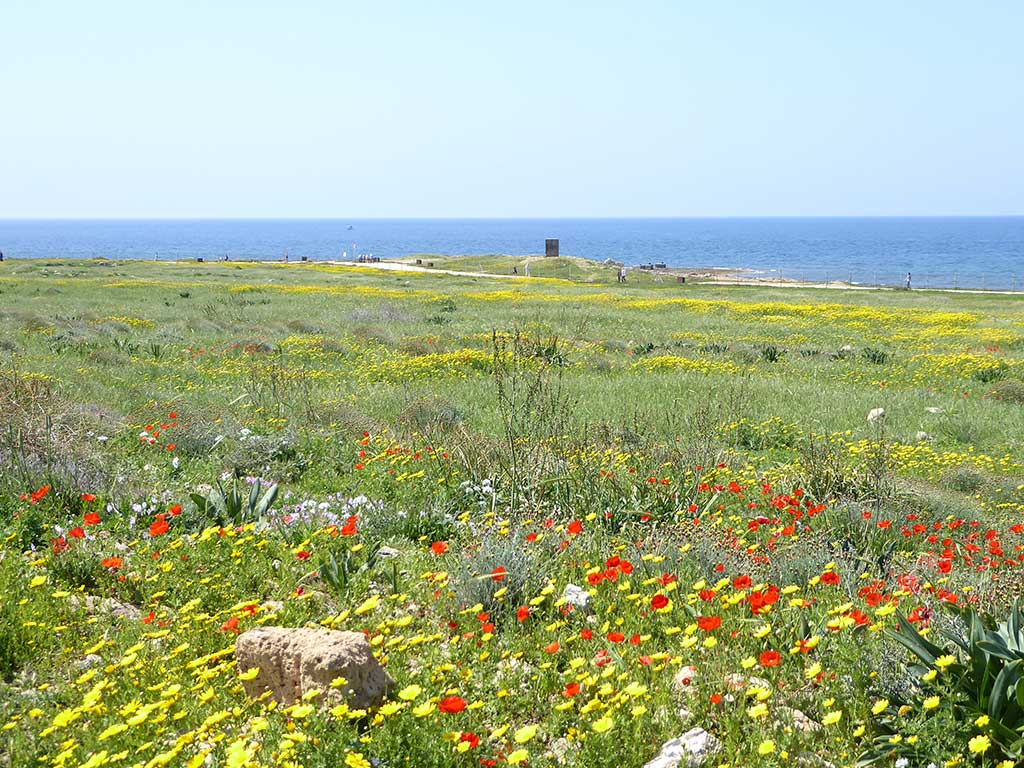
(397, 266)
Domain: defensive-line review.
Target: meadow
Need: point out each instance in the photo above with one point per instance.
(575, 519)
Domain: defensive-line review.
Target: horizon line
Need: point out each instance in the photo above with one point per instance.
(519, 218)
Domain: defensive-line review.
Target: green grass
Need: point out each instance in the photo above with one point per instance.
(553, 427)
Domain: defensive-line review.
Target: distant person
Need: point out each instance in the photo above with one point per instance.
(908, 281)
(515, 270)
(1, 255)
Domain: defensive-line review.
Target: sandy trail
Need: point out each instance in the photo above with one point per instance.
(397, 266)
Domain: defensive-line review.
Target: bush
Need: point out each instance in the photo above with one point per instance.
(963, 479)
(979, 677)
(876, 356)
(991, 371)
(1009, 390)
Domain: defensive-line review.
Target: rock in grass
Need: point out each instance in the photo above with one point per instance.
(876, 414)
(113, 606)
(794, 720)
(576, 596)
(691, 750)
(292, 662)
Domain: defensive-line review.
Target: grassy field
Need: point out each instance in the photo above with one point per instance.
(753, 486)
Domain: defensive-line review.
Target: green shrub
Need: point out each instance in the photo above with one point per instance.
(991, 371)
(977, 681)
(1008, 390)
(963, 479)
(876, 356)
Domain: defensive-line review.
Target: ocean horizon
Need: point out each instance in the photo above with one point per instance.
(940, 251)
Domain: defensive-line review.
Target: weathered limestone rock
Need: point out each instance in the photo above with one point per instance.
(576, 596)
(295, 661)
(740, 682)
(793, 719)
(685, 680)
(693, 749)
(111, 605)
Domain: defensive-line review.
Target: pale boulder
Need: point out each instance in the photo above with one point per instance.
(691, 750)
(292, 662)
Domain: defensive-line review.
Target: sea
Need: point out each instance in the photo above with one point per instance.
(955, 252)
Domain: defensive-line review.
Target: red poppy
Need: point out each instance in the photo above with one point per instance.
(615, 637)
(91, 518)
(523, 613)
(830, 577)
(349, 529)
(659, 601)
(770, 659)
(160, 527)
(709, 623)
(571, 689)
(76, 533)
(174, 509)
(451, 704)
(231, 625)
(39, 495)
(586, 634)
(470, 738)
(88, 497)
(112, 562)
(575, 527)
(439, 547)
(552, 647)
(303, 555)
(741, 582)
(498, 574)
(149, 619)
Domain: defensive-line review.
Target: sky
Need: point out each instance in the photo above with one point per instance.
(326, 108)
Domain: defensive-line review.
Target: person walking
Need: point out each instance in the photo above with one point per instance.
(908, 281)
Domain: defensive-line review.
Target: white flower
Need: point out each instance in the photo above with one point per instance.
(876, 414)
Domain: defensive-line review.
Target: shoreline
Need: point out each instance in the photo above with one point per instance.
(717, 276)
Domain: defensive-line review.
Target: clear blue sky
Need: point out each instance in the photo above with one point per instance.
(320, 108)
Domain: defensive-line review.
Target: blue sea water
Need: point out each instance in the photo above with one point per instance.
(982, 252)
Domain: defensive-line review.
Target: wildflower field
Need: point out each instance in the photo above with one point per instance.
(574, 520)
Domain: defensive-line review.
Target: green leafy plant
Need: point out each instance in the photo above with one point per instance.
(979, 679)
(876, 356)
(337, 571)
(235, 507)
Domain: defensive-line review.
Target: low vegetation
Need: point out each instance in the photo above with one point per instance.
(574, 519)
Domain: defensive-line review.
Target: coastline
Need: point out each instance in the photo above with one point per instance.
(590, 271)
